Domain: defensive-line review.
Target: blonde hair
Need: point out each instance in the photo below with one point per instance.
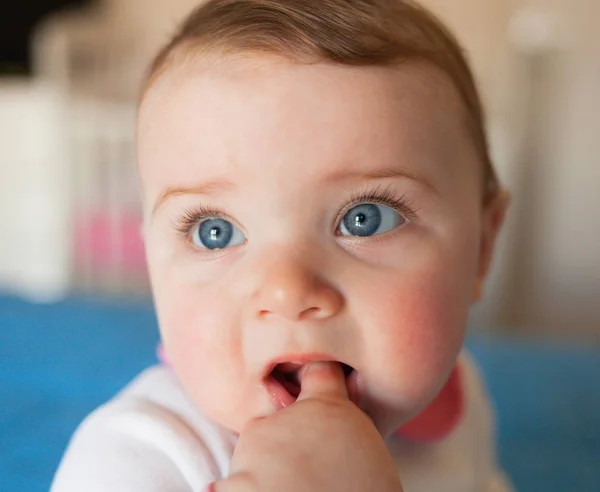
(346, 32)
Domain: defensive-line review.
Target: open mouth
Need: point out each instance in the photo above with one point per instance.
(284, 385)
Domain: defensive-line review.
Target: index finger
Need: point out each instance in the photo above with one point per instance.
(322, 379)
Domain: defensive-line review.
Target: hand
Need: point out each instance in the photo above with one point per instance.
(323, 442)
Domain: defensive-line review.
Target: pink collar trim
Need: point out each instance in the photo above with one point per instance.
(441, 416)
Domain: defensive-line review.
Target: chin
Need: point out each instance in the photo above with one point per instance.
(386, 422)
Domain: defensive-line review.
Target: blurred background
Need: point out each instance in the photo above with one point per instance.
(70, 71)
(75, 318)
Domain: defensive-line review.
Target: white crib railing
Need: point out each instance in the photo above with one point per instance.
(94, 71)
(108, 253)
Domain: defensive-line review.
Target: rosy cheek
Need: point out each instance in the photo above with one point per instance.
(200, 352)
(190, 331)
(421, 325)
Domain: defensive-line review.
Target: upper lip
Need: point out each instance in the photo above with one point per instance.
(303, 358)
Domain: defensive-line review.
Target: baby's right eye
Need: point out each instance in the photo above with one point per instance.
(216, 233)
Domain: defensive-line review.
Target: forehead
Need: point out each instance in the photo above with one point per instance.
(207, 120)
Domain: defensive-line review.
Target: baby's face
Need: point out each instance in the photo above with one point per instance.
(301, 212)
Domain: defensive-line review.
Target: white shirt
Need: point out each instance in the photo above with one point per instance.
(151, 438)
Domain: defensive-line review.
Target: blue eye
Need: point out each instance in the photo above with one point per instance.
(370, 219)
(217, 234)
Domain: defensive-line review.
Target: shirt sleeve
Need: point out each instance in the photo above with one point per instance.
(135, 445)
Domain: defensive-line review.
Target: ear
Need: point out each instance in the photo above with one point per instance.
(492, 220)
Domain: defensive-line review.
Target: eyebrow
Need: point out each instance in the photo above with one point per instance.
(218, 185)
(382, 174)
(207, 188)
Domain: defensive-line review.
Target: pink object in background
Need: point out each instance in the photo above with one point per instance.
(106, 243)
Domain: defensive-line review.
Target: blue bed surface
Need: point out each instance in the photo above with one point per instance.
(58, 362)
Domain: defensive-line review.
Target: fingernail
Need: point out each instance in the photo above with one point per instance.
(210, 487)
(312, 367)
(316, 366)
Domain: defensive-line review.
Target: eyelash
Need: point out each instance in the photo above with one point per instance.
(191, 217)
(385, 196)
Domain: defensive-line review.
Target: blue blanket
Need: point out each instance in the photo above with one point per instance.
(60, 361)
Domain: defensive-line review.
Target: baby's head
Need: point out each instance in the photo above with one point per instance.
(316, 185)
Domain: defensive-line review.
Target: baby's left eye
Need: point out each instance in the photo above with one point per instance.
(370, 219)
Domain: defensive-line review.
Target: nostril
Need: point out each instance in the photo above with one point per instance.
(310, 313)
(263, 314)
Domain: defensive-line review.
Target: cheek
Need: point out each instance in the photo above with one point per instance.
(424, 321)
(192, 314)
(416, 322)
(202, 348)
(188, 330)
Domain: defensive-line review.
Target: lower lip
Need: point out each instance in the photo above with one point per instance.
(281, 397)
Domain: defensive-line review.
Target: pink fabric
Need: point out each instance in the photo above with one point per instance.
(162, 356)
(441, 416)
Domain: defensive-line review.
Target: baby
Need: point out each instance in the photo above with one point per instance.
(320, 212)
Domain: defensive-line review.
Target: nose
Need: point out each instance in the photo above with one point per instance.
(292, 290)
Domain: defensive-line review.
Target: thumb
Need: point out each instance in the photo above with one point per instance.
(322, 379)
(238, 482)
